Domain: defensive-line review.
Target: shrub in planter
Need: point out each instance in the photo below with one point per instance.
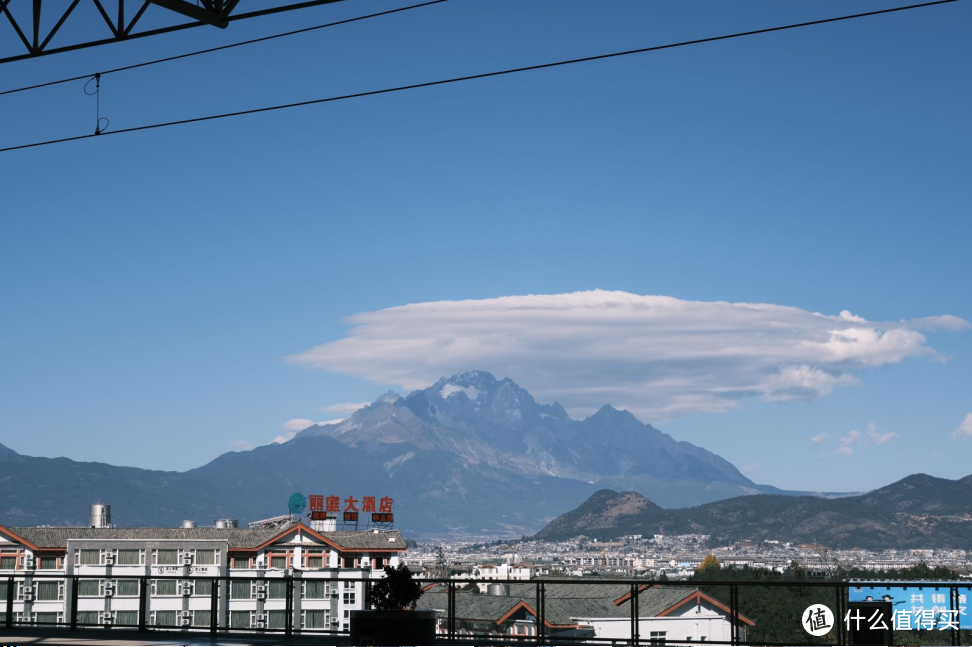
(394, 620)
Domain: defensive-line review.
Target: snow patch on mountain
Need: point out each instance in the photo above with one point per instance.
(451, 389)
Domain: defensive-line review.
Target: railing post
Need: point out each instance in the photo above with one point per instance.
(214, 608)
(142, 602)
(954, 606)
(636, 612)
(452, 610)
(289, 606)
(838, 617)
(10, 599)
(734, 613)
(74, 603)
(541, 625)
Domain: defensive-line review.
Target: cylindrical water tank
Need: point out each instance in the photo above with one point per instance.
(227, 523)
(100, 515)
(220, 523)
(497, 588)
(188, 523)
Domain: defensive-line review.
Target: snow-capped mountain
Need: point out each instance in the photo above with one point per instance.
(497, 423)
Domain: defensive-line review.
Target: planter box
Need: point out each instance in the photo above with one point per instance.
(392, 628)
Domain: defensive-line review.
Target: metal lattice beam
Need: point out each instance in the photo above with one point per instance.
(217, 13)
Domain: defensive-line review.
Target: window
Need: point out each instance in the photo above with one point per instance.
(3, 591)
(277, 620)
(129, 557)
(126, 618)
(241, 561)
(164, 618)
(349, 597)
(47, 563)
(278, 561)
(316, 619)
(169, 556)
(202, 587)
(239, 619)
(315, 590)
(240, 590)
(379, 563)
(347, 561)
(88, 617)
(50, 590)
(315, 560)
(89, 588)
(277, 590)
(164, 587)
(657, 638)
(205, 557)
(126, 588)
(48, 618)
(202, 618)
(8, 562)
(88, 556)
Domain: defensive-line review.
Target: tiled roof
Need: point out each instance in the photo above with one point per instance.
(238, 538)
(562, 602)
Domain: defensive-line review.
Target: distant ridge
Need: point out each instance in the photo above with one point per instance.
(470, 454)
(919, 511)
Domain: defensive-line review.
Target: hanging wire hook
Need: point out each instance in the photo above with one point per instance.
(97, 95)
(96, 77)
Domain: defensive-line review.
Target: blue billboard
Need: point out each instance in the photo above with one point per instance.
(920, 607)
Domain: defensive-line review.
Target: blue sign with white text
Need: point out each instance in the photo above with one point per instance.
(920, 607)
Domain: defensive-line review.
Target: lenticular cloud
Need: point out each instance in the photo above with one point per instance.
(657, 356)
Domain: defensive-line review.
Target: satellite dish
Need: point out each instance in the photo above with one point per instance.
(297, 503)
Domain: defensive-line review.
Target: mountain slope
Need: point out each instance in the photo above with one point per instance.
(917, 512)
(471, 454)
(498, 424)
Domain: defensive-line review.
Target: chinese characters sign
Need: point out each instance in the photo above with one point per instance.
(913, 607)
(325, 507)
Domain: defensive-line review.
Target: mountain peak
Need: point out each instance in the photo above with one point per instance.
(6, 451)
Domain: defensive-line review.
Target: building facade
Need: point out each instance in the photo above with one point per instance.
(178, 577)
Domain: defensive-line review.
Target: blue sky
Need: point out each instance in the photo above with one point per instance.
(153, 284)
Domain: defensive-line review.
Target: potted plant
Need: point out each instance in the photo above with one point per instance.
(393, 619)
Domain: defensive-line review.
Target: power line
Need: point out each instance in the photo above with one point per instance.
(223, 47)
(472, 77)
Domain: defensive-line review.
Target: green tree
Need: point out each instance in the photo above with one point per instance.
(396, 591)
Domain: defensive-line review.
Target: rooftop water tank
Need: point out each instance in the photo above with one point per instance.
(188, 523)
(100, 516)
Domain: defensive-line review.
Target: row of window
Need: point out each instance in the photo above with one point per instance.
(309, 619)
(177, 556)
(137, 556)
(129, 588)
(9, 562)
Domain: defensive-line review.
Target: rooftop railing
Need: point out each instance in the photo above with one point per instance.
(544, 611)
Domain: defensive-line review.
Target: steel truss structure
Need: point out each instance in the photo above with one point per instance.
(36, 41)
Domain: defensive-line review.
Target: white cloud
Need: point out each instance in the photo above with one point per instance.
(847, 442)
(297, 425)
(816, 440)
(753, 467)
(346, 408)
(876, 437)
(657, 356)
(854, 438)
(964, 431)
(241, 445)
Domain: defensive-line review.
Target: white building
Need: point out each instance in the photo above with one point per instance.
(159, 576)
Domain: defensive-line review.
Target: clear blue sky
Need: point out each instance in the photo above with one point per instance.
(152, 284)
